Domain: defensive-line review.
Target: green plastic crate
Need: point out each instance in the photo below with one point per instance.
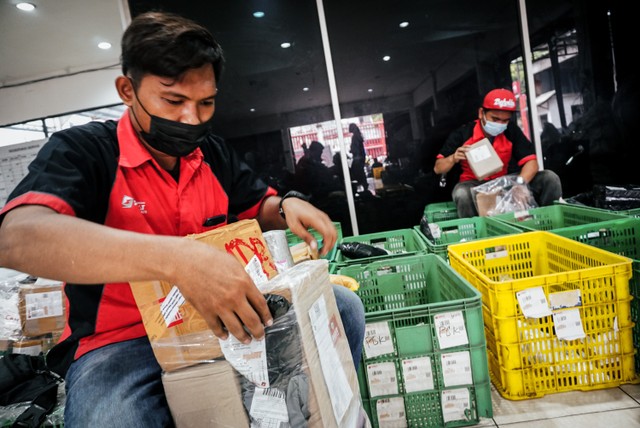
(413, 297)
(441, 211)
(462, 230)
(401, 242)
(554, 217)
(634, 212)
(293, 239)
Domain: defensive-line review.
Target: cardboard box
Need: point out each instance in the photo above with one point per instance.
(483, 159)
(486, 202)
(332, 397)
(41, 307)
(186, 339)
(207, 394)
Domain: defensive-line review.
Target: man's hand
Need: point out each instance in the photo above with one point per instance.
(301, 215)
(460, 154)
(216, 284)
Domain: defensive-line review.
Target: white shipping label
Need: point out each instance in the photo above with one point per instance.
(391, 412)
(417, 374)
(170, 306)
(454, 404)
(450, 329)
(456, 368)
(254, 269)
(533, 303)
(496, 252)
(382, 379)
(377, 340)
(565, 299)
(43, 305)
(478, 154)
(332, 370)
(269, 408)
(250, 360)
(568, 324)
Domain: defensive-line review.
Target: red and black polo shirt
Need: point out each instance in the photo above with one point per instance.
(102, 173)
(512, 146)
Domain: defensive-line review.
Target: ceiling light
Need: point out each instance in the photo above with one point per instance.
(404, 24)
(305, 89)
(370, 90)
(252, 109)
(258, 14)
(27, 7)
(285, 45)
(104, 45)
(386, 58)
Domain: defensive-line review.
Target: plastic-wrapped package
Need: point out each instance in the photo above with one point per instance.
(617, 198)
(502, 195)
(360, 250)
(300, 375)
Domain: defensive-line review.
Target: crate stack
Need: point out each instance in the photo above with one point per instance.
(557, 312)
(614, 231)
(425, 356)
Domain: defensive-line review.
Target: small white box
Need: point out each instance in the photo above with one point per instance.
(483, 159)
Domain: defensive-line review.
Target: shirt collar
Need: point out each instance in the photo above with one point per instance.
(133, 153)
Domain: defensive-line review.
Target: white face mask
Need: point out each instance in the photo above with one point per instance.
(493, 128)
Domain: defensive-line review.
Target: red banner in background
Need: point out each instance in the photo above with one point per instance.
(524, 110)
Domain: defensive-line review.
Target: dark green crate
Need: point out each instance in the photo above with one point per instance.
(633, 212)
(424, 410)
(555, 217)
(620, 236)
(441, 211)
(293, 239)
(464, 230)
(401, 242)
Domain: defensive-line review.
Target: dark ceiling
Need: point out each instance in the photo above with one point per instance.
(439, 45)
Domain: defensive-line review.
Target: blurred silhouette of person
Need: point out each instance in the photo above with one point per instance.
(359, 155)
(312, 176)
(336, 168)
(376, 163)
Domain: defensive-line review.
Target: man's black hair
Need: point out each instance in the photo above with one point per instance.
(167, 45)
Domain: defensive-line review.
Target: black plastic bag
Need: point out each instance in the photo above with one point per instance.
(359, 250)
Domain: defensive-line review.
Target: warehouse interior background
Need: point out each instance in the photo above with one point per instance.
(407, 72)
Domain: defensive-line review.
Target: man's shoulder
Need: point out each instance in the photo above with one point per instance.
(98, 131)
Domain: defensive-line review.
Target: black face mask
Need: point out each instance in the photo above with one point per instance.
(171, 137)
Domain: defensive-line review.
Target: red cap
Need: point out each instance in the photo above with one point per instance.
(500, 99)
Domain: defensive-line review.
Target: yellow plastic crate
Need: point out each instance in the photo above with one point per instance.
(527, 359)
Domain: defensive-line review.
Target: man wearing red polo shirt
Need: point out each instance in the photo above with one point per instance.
(511, 145)
(105, 204)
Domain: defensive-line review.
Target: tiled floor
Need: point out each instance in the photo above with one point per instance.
(613, 407)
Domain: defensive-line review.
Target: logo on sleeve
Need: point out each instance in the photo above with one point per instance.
(129, 202)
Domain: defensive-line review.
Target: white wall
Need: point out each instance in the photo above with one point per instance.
(58, 96)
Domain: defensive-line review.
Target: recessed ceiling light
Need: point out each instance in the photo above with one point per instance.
(258, 14)
(27, 7)
(370, 90)
(386, 58)
(104, 45)
(285, 45)
(404, 24)
(305, 89)
(252, 109)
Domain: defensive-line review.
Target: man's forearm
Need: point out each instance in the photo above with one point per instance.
(444, 165)
(41, 242)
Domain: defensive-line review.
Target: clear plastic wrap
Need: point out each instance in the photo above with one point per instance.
(502, 195)
(300, 375)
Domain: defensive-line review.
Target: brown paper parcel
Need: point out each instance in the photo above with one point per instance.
(181, 337)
